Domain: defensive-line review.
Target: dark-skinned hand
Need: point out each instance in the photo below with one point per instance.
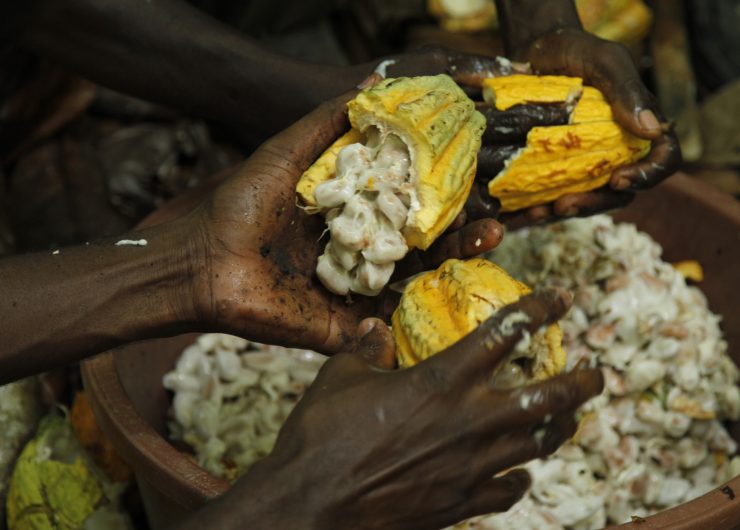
(257, 249)
(372, 447)
(606, 65)
(549, 36)
(609, 67)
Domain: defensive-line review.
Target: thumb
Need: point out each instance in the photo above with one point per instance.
(376, 344)
(304, 141)
(499, 493)
(496, 495)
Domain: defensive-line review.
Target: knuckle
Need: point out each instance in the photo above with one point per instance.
(430, 378)
(343, 362)
(613, 49)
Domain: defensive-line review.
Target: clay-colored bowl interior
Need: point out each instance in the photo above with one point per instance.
(688, 218)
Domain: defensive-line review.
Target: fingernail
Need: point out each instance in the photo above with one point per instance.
(583, 364)
(552, 439)
(590, 379)
(560, 296)
(366, 326)
(648, 121)
(371, 80)
(518, 481)
(622, 184)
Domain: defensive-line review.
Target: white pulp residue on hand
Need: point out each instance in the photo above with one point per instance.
(508, 325)
(382, 68)
(132, 242)
(504, 65)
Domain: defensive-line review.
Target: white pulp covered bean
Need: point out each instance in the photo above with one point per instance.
(334, 276)
(231, 398)
(368, 200)
(654, 438)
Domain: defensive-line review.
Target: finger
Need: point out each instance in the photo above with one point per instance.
(570, 205)
(591, 202)
(480, 204)
(663, 160)
(370, 81)
(300, 145)
(632, 104)
(524, 445)
(458, 222)
(471, 70)
(492, 158)
(535, 215)
(556, 396)
(497, 494)
(477, 354)
(376, 345)
(513, 124)
(471, 240)
(606, 65)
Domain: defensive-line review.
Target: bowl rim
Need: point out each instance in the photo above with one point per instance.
(134, 437)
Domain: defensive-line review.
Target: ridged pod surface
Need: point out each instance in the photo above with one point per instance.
(442, 130)
(440, 307)
(561, 159)
(55, 485)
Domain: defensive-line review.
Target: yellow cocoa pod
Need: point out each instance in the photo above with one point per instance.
(442, 130)
(395, 181)
(56, 486)
(562, 159)
(690, 269)
(592, 106)
(440, 307)
(506, 91)
(624, 21)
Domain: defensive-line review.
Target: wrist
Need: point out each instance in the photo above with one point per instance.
(180, 275)
(272, 494)
(525, 21)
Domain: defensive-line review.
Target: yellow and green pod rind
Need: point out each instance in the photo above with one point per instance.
(440, 307)
(442, 129)
(55, 486)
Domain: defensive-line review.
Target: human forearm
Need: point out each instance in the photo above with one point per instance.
(61, 307)
(522, 21)
(170, 52)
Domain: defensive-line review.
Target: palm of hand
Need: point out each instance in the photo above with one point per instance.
(262, 252)
(259, 249)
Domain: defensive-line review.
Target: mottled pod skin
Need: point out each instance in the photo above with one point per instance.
(442, 129)
(561, 159)
(440, 307)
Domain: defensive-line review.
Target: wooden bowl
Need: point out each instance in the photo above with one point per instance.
(691, 221)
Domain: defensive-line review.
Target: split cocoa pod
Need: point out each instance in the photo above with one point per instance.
(440, 307)
(395, 181)
(561, 159)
